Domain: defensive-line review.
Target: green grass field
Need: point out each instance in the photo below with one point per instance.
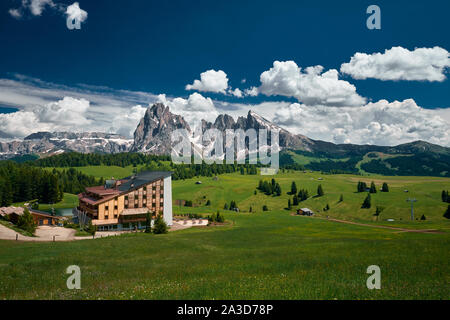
(260, 255)
(69, 201)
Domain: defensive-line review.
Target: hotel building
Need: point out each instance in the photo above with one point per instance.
(123, 204)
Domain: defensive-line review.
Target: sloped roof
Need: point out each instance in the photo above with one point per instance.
(142, 178)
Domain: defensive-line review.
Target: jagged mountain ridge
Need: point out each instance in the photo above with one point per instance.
(153, 136)
(47, 143)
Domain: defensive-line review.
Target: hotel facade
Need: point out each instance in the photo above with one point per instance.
(123, 204)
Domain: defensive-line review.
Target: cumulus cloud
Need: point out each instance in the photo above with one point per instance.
(35, 7)
(311, 86)
(108, 110)
(65, 115)
(74, 12)
(193, 109)
(426, 64)
(236, 92)
(15, 13)
(125, 124)
(381, 123)
(210, 81)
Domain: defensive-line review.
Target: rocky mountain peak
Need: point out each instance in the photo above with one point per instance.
(153, 134)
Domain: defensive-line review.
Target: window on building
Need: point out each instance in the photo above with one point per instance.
(115, 208)
(106, 208)
(106, 217)
(126, 198)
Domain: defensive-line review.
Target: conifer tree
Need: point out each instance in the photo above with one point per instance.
(367, 202)
(293, 188)
(373, 188)
(320, 192)
(447, 213)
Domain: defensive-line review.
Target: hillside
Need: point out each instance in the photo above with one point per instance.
(259, 255)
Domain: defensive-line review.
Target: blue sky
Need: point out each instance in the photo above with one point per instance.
(159, 47)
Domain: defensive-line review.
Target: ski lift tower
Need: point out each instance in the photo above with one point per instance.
(412, 207)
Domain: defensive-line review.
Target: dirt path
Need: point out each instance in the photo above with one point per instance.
(386, 227)
(50, 234)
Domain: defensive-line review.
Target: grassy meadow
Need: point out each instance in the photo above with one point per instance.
(258, 255)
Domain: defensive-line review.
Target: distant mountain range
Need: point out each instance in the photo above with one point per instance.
(153, 136)
(46, 144)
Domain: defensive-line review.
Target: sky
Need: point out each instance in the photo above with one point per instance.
(312, 67)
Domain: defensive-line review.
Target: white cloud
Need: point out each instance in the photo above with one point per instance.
(381, 123)
(210, 81)
(426, 64)
(109, 110)
(125, 124)
(252, 92)
(193, 109)
(236, 92)
(49, 107)
(37, 6)
(64, 115)
(15, 13)
(311, 87)
(74, 12)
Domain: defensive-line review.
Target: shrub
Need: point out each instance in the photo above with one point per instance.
(160, 226)
(188, 203)
(423, 218)
(208, 203)
(91, 228)
(217, 217)
(265, 208)
(378, 211)
(341, 198)
(148, 222)
(26, 222)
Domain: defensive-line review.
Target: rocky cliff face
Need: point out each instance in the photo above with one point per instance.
(48, 143)
(153, 134)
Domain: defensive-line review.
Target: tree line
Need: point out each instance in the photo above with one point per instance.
(22, 182)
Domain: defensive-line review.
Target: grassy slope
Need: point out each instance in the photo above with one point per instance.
(427, 190)
(69, 201)
(262, 255)
(272, 255)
